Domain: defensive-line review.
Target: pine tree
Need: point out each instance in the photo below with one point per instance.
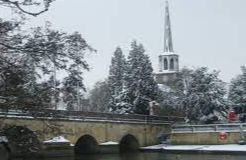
(198, 93)
(73, 92)
(140, 85)
(123, 104)
(100, 97)
(237, 90)
(116, 77)
(204, 95)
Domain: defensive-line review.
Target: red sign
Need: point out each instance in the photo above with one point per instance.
(222, 136)
(232, 116)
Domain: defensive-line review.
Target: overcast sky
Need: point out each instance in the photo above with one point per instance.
(208, 33)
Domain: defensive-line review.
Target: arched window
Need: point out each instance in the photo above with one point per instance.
(171, 64)
(165, 64)
(177, 64)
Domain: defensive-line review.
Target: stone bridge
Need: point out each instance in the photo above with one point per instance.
(87, 129)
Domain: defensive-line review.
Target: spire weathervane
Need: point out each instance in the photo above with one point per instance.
(168, 44)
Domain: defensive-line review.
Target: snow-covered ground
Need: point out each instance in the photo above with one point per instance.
(59, 139)
(226, 147)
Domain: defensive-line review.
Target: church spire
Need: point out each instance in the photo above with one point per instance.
(168, 44)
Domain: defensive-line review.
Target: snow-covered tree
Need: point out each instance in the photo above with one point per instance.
(37, 53)
(204, 95)
(170, 102)
(140, 85)
(73, 91)
(237, 90)
(116, 76)
(122, 103)
(46, 92)
(100, 97)
(11, 85)
(198, 93)
(171, 99)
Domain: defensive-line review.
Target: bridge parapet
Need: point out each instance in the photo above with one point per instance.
(233, 127)
(88, 116)
(208, 134)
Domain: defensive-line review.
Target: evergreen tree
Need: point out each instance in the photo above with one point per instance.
(204, 96)
(237, 90)
(140, 85)
(116, 77)
(122, 103)
(198, 93)
(100, 97)
(171, 99)
(73, 91)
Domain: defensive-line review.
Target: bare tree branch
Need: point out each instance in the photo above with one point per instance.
(18, 5)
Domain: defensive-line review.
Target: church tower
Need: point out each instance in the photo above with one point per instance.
(168, 59)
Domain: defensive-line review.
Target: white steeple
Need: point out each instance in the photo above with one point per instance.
(168, 61)
(168, 44)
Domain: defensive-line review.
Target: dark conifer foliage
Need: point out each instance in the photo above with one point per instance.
(237, 90)
(100, 97)
(116, 77)
(131, 83)
(140, 84)
(199, 94)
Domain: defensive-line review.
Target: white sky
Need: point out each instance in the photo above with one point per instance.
(208, 33)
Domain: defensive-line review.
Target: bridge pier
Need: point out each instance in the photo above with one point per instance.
(4, 151)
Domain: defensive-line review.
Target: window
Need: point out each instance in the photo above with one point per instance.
(165, 64)
(171, 64)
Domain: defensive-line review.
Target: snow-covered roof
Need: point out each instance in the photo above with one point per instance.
(164, 88)
(169, 54)
(166, 71)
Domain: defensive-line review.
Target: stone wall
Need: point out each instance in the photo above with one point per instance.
(102, 131)
(204, 138)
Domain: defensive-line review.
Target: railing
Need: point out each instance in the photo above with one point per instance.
(233, 127)
(87, 116)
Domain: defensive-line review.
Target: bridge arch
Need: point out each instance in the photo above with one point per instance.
(129, 143)
(86, 144)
